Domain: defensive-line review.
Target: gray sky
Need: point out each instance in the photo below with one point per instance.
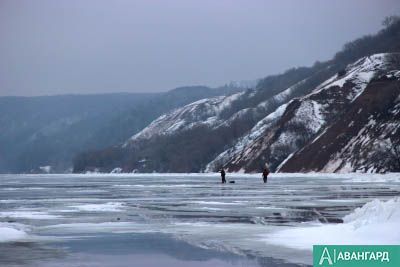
(69, 46)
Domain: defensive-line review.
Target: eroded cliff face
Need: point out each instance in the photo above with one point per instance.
(366, 137)
(346, 124)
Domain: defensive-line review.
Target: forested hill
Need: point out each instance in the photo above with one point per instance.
(37, 132)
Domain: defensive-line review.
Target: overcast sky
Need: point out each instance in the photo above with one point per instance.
(58, 47)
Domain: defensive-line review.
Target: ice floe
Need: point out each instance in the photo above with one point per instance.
(11, 232)
(377, 222)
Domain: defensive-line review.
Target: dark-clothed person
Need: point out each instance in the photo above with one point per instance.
(223, 176)
(265, 174)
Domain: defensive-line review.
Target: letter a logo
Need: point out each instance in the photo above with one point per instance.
(325, 256)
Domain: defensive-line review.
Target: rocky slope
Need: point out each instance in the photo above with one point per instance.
(342, 125)
(366, 137)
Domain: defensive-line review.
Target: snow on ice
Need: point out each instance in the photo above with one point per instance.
(11, 232)
(376, 223)
(109, 206)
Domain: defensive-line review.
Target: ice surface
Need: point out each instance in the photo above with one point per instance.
(198, 209)
(101, 227)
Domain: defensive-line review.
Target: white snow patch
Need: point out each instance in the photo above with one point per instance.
(310, 114)
(359, 73)
(376, 223)
(11, 232)
(362, 71)
(211, 209)
(284, 161)
(214, 203)
(116, 170)
(45, 169)
(346, 168)
(26, 214)
(332, 165)
(204, 111)
(109, 206)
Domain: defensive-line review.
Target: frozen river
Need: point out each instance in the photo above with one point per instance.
(189, 220)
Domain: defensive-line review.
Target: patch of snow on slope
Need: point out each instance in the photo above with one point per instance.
(255, 133)
(266, 106)
(283, 96)
(332, 165)
(271, 117)
(338, 162)
(227, 102)
(284, 161)
(204, 111)
(376, 223)
(310, 115)
(359, 73)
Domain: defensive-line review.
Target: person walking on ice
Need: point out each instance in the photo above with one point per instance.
(223, 176)
(265, 173)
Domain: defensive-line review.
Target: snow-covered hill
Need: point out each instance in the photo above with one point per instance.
(366, 137)
(189, 137)
(283, 122)
(284, 135)
(216, 112)
(206, 111)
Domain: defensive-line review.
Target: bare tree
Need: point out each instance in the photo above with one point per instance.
(390, 20)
